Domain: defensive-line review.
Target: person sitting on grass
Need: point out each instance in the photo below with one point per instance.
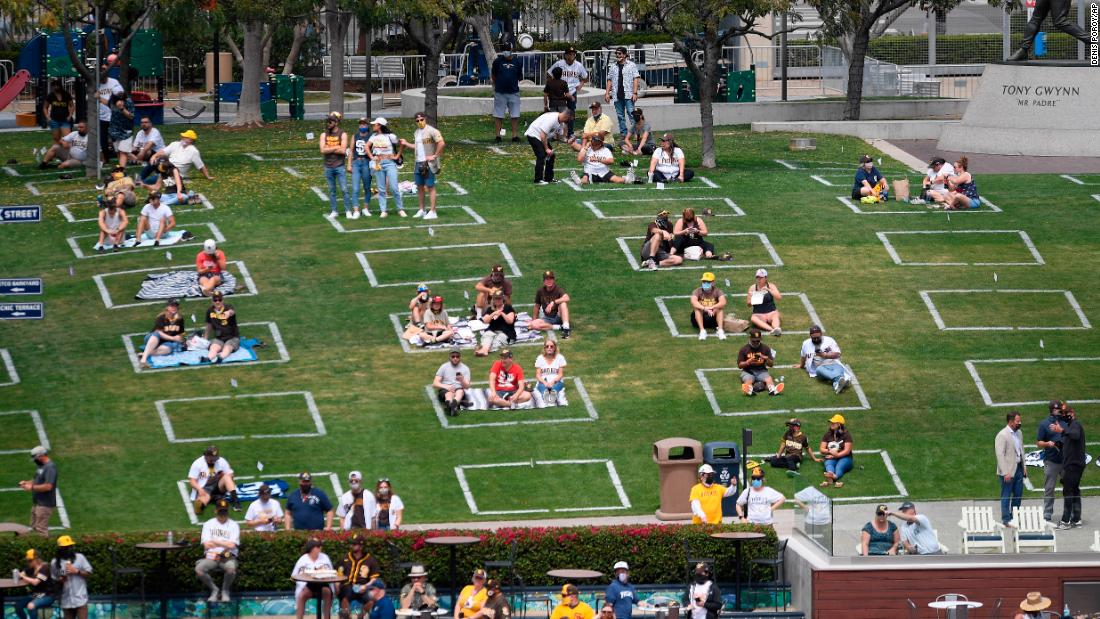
(869, 182)
(418, 305)
(166, 179)
(437, 324)
(72, 150)
(487, 286)
(210, 263)
(754, 359)
(934, 185)
(112, 226)
(211, 479)
(667, 163)
(551, 307)
(596, 158)
(146, 142)
(598, 125)
(35, 575)
(791, 448)
(657, 249)
(761, 297)
(708, 307)
(550, 373)
(691, 231)
(758, 502)
(155, 220)
(168, 335)
(962, 191)
(501, 330)
(451, 383)
(184, 155)
(221, 329)
(120, 191)
(506, 386)
(639, 136)
(312, 560)
(880, 536)
(820, 357)
(836, 449)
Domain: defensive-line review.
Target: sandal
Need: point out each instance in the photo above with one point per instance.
(838, 484)
(825, 484)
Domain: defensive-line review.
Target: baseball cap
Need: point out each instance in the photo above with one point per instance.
(377, 583)
(568, 589)
(570, 49)
(707, 277)
(865, 159)
(211, 451)
(363, 120)
(355, 475)
(666, 137)
(620, 565)
(358, 539)
(881, 507)
(761, 272)
(907, 505)
(548, 274)
(209, 246)
(595, 104)
(758, 473)
(379, 121)
(815, 329)
(837, 418)
(334, 115)
(222, 506)
(305, 476)
(437, 299)
(706, 468)
(663, 213)
(30, 554)
(497, 269)
(190, 134)
(505, 353)
(422, 288)
(217, 295)
(498, 294)
(794, 421)
(39, 451)
(65, 540)
(480, 573)
(173, 302)
(937, 161)
(265, 490)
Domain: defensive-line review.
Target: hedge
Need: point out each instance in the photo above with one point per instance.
(655, 553)
(961, 48)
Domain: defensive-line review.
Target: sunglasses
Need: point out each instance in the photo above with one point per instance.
(383, 480)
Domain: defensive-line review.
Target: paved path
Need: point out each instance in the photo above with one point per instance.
(981, 163)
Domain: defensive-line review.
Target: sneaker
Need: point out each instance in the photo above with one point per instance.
(647, 264)
(498, 140)
(383, 214)
(418, 214)
(793, 473)
(746, 388)
(332, 215)
(1077, 525)
(451, 408)
(347, 215)
(512, 406)
(777, 390)
(721, 334)
(541, 183)
(431, 215)
(566, 333)
(355, 215)
(1063, 526)
(777, 332)
(366, 213)
(401, 213)
(213, 596)
(576, 178)
(629, 177)
(702, 335)
(515, 139)
(225, 595)
(554, 181)
(842, 384)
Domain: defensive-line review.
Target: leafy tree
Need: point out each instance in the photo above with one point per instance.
(255, 19)
(433, 26)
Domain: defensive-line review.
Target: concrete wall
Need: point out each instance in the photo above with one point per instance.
(866, 129)
(686, 116)
(412, 101)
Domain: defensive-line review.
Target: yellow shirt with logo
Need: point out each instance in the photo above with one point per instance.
(710, 499)
(580, 611)
(471, 602)
(603, 125)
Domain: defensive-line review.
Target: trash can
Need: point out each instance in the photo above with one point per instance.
(725, 457)
(678, 460)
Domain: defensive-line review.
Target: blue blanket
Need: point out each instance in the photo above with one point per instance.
(198, 357)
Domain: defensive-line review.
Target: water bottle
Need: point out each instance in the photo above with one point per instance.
(15, 575)
(170, 542)
(1066, 613)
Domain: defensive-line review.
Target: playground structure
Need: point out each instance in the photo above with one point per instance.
(289, 88)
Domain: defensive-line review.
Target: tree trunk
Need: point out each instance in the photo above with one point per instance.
(234, 49)
(616, 16)
(482, 25)
(431, 40)
(855, 72)
(295, 47)
(248, 112)
(269, 35)
(91, 101)
(708, 80)
(337, 32)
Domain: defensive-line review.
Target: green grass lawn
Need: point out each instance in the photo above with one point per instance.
(640, 384)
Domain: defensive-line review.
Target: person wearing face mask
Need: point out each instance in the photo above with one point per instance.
(820, 357)
(598, 125)
(623, 81)
(43, 489)
(758, 502)
(657, 248)
(72, 150)
(120, 191)
(754, 359)
(308, 508)
(706, 497)
(880, 536)
(356, 507)
(505, 75)
(35, 575)
(704, 598)
(359, 166)
(1073, 466)
(708, 304)
(391, 509)
(571, 606)
(334, 147)
(428, 144)
(72, 569)
(1033, 606)
(1009, 449)
(621, 596)
(360, 568)
(869, 182)
(496, 603)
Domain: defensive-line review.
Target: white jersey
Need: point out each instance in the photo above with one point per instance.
(809, 351)
(200, 470)
(104, 91)
(212, 530)
(545, 369)
(571, 73)
(669, 166)
(264, 509)
(184, 157)
(345, 508)
(306, 564)
(77, 145)
(593, 166)
(153, 137)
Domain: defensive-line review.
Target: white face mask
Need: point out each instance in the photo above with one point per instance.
(622, 577)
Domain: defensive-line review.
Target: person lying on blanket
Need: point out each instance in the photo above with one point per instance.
(437, 325)
(168, 335)
(506, 386)
(155, 221)
(221, 329)
(211, 264)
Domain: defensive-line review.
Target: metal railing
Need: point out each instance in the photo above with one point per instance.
(7, 70)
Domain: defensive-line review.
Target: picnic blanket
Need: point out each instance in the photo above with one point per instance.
(197, 356)
(1035, 458)
(466, 336)
(170, 238)
(251, 491)
(479, 400)
(175, 284)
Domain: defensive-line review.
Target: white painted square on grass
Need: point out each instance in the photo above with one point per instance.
(132, 342)
(60, 510)
(1036, 258)
(574, 386)
(506, 255)
(40, 437)
(917, 209)
(632, 253)
(66, 209)
(1077, 180)
(308, 404)
(887, 461)
(245, 278)
(293, 154)
(723, 207)
(33, 186)
(460, 473)
(400, 319)
(1051, 295)
(699, 182)
(391, 205)
(685, 306)
(447, 215)
(197, 229)
(826, 391)
(185, 490)
(972, 366)
(11, 375)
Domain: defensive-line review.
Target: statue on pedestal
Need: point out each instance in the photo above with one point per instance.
(1059, 12)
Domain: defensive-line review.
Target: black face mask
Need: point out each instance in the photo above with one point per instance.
(816, 341)
(305, 488)
(66, 552)
(700, 579)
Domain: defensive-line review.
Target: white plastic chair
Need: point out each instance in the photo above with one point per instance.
(1095, 541)
(980, 530)
(1031, 530)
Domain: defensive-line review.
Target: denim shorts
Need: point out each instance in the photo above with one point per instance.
(173, 347)
(419, 179)
(60, 124)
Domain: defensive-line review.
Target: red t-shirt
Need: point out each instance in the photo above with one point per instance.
(507, 380)
(210, 262)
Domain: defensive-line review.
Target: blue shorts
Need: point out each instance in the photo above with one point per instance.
(426, 181)
(60, 124)
(505, 102)
(173, 347)
(975, 202)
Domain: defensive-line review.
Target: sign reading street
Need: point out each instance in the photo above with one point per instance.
(20, 214)
(22, 311)
(28, 285)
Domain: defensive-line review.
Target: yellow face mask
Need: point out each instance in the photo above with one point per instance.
(421, 123)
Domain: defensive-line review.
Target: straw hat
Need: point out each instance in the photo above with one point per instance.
(1035, 602)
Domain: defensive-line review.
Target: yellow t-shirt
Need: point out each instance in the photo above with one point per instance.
(710, 499)
(580, 611)
(603, 124)
(471, 602)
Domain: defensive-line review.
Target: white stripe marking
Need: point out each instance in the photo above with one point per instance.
(613, 476)
(892, 251)
(926, 296)
(971, 368)
(104, 294)
(39, 430)
(185, 488)
(674, 329)
(311, 408)
(293, 172)
(727, 202)
(709, 265)
(375, 283)
(9, 366)
(716, 408)
(576, 382)
(276, 338)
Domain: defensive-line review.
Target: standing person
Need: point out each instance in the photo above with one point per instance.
(121, 127)
(571, 606)
(360, 168)
(221, 541)
(550, 372)
(539, 134)
(72, 569)
(667, 165)
(428, 144)
(312, 559)
(35, 575)
(356, 508)
(622, 87)
(704, 598)
(1009, 449)
(59, 109)
(43, 489)
(836, 449)
(308, 508)
(108, 87)
(706, 497)
(620, 594)
(576, 76)
(419, 594)
(360, 568)
(211, 478)
(820, 356)
(451, 382)
(791, 447)
(1049, 440)
(155, 220)
(386, 149)
(334, 148)
(555, 94)
(1059, 12)
(708, 305)
(472, 596)
(168, 335)
(221, 329)
(507, 388)
(210, 263)
(638, 139)
(505, 75)
(146, 142)
(551, 307)
(391, 509)
(758, 502)
(761, 297)
(1073, 466)
(753, 360)
(264, 513)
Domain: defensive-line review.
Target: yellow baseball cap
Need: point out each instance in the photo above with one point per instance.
(31, 554)
(65, 540)
(837, 418)
(189, 134)
(707, 277)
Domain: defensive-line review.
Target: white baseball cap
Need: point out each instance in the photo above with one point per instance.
(761, 272)
(620, 565)
(380, 121)
(209, 246)
(706, 468)
(355, 475)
